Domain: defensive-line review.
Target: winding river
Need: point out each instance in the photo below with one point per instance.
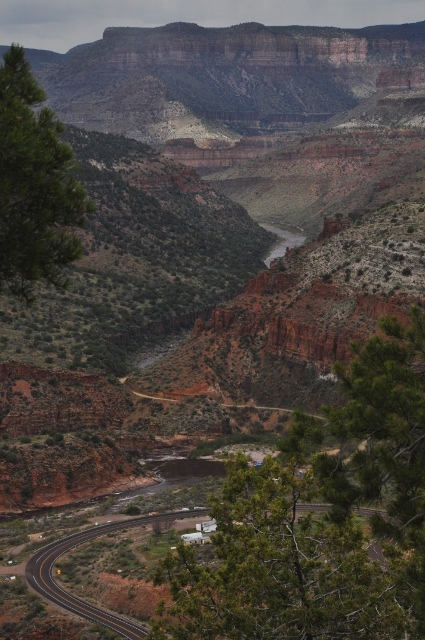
(289, 241)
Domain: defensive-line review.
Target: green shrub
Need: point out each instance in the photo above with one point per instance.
(132, 510)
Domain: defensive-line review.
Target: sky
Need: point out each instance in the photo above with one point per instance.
(58, 25)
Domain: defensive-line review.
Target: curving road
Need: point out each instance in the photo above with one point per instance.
(39, 574)
(39, 569)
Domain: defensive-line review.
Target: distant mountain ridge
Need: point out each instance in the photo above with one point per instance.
(183, 80)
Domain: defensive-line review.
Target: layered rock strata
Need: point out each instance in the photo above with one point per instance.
(35, 400)
(346, 171)
(163, 83)
(276, 343)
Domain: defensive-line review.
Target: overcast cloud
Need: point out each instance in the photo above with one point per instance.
(59, 25)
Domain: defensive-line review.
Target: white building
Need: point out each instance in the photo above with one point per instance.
(207, 527)
(195, 538)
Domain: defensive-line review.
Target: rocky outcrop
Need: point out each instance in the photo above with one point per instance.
(221, 318)
(188, 153)
(56, 475)
(401, 78)
(267, 282)
(299, 336)
(83, 453)
(332, 227)
(60, 438)
(183, 180)
(275, 344)
(35, 400)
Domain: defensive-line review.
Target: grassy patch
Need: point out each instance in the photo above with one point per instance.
(208, 448)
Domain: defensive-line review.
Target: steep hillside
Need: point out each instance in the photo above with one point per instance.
(183, 80)
(61, 438)
(275, 344)
(161, 243)
(387, 110)
(348, 171)
(208, 156)
(68, 436)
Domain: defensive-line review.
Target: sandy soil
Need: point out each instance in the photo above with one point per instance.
(13, 570)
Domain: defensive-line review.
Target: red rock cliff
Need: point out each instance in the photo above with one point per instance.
(275, 344)
(34, 399)
(332, 227)
(185, 150)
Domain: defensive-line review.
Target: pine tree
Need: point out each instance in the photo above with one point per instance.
(380, 432)
(40, 200)
(275, 577)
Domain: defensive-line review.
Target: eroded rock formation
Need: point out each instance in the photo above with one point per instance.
(35, 400)
(176, 81)
(344, 171)
(276, 343)
(61, 438)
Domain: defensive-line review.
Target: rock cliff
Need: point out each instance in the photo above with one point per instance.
(209, 156)
(275, 344)
(253, 44)
(168, 82)
(61, 438)
(401, 78)
(345, 171)
(59, 474)
(35, 400)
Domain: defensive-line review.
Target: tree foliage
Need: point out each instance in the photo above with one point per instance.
(381, 435)
(273, 577)
(39, 197)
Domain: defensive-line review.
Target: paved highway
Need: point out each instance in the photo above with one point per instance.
(39, 574)
(39, 570)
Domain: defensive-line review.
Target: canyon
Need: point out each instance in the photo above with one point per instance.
(275, 343)
(301, 127)
(316, 130)
(161, 247)
(185, 81)
(343, 171)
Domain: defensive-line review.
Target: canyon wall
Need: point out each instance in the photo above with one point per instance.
(62, 438)
(34, 400)
(346, 171)
(177, 81)
(254, 44)
(401, 78)
(57, 475)
(216, 157)
(275, 344)
(188, 153)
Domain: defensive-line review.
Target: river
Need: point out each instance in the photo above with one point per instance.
(289, 241)
(171, 472)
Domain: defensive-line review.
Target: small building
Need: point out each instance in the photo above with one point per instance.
(195, 538)
(207, 527)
